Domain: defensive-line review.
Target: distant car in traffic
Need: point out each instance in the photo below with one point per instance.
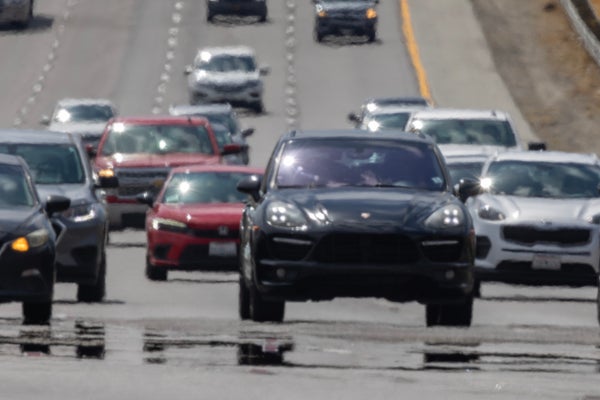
(60, 166)
(236, 7)
(387, 118)
(84, 116)
(193, 223)
(140, 152)
(537, 219)
(28, 253)
(374, 103)
(227, 74)
(221, 114)
(341, 213)
(17, 12)
(345, 17)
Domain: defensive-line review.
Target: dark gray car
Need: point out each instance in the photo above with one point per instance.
(60, 166)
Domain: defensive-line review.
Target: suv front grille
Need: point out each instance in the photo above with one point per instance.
(530, 235)
(133, 181)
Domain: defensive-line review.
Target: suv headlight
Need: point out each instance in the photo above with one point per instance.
(80, 213)
(171, 225)
(31, 240)
(450, 216)
(285, 215)
(490, 213)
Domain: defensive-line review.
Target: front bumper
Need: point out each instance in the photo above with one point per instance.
(536, 263)
(14, 12)
(334, 25)
(234, 96)
(237, 8)
(79, 249)
(27, 277)
(385, 266)
(195, 251)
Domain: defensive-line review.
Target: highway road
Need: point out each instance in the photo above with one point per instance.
(182, 338)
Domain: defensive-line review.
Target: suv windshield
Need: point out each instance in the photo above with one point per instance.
(50, 163)
(227, 63)
(542, 179)
(336, 163)
(157, 139)
(468, 131)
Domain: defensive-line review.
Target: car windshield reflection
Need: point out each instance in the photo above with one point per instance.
(327, 163)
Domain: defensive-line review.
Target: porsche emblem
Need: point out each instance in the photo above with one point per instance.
(365, 215)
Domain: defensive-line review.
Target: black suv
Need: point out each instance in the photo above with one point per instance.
(236, 7)
(345, 17)
(344, 214)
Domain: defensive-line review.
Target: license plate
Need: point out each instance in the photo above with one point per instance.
(543, 261)
(222, 249)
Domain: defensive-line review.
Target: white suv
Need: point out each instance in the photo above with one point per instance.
(226, 75)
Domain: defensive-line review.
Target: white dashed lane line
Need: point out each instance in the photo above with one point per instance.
(292, 108)
(38, 86)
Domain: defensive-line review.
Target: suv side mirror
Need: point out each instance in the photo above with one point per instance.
(188, 70)
(56, 203)
(247, 132)
(232, 148)
(468, 188)
(264, 70)
(250, 186)
(536, 146)
(146, 198)
(107, 182)
(45, 120)
(353, 117)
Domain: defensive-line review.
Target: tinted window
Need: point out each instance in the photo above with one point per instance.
(50, 163)
(336, 163)
(204, 187)
(157, 139)
(14, 189)
(479, 132)
(227, 63)
(543, 179)
(84, 113)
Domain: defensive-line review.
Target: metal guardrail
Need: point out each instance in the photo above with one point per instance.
(588, 38)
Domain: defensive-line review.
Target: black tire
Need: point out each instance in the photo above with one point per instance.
(94, 293)
(262, 18)
(155, 273)
(37, 313)
(244, 300)
(450, 314)
(210, 17)
(372, 36)
(258, 107)
(319, 36)
(262, 310)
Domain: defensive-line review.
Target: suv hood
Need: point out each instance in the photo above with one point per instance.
(230, 78)
(155, 160)
(78, 193)
(346, 6)
(368, 209)
(538, 209)
(202, 214)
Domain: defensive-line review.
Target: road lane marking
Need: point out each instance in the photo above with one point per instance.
(413, 50)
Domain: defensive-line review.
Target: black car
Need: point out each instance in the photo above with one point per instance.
(27, 241)
(236, 7)
(344, 214)
(60, 166)
(222, 114)
(345, 17)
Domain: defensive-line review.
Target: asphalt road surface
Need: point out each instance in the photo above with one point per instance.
(182, 338)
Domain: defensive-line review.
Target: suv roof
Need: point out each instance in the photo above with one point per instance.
(356, 134)
(211, 108)
(35, 136)
(76, 101)
(446, 113)
(230, 50)
(550, 156)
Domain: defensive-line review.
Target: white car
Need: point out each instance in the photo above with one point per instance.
(226, 75)
(86, 117)
(387, 118)
(537, 219)
(466, 127)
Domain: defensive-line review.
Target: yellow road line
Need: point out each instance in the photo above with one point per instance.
(413, 51)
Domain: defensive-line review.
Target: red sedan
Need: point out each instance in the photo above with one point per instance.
(193, 223)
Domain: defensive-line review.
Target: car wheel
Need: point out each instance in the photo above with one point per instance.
(244, 300)
(262, 18)
(155, 273)
(210, 17)
(37, 313)
(319, 36)
(450, 314)
(258, 107)
(262, 310)
(372, 36)
(95, 292)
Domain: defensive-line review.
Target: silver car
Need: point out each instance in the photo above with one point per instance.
(17, 12)
(84, 116)
(226, 75)
(59, 166)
